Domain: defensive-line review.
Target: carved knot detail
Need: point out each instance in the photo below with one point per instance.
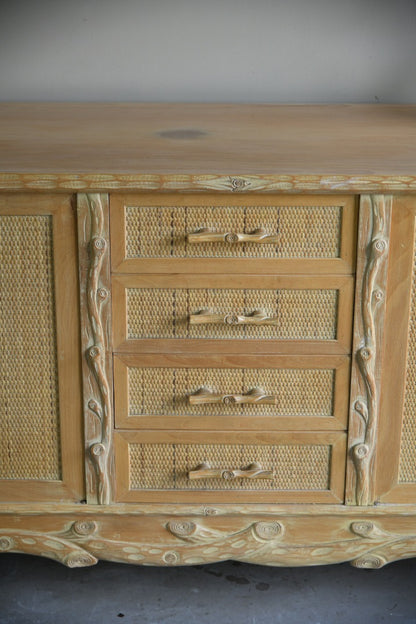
(84, 527)
(372, 562)
(228, 475)
(80, 560)
(97, 449)
(181, 528)
(231, 237)
(228, 399)
(6, 543)
(93, 352)
(210, 511)
(363, 529)
(102, 293)
(361, 451)
(231, 319)
(365, 353)
(268, 530)
(380, 245)
(378, 295)
(99, 243)
(171, 557)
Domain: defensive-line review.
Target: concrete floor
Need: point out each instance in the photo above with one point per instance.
(39, 591)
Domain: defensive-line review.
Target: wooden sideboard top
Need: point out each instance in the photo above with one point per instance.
(85, 146)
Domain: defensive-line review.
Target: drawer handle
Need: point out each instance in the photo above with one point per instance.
(253, 471)
(208, 317)
(204, 396)
(209, 235)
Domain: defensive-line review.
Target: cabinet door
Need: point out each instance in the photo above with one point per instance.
(396, 448)
(41, 454)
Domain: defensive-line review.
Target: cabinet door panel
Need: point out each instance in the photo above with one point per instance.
(396, 449)
(40, 411)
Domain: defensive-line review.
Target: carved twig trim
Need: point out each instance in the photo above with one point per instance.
(52, 546)
(97, 296)
(188, 542)
(372, 296)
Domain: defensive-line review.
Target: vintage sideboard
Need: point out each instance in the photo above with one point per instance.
(208, 333)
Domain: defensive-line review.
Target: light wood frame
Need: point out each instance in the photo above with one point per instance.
(338, 420)
(345, 264)
(334, 494)
(71, 487)
(340, 346)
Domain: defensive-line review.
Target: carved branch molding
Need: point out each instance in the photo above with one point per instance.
(185, 541)
(375, 224)
(189, 182)
(95, 309)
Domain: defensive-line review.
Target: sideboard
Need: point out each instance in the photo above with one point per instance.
(208, 333)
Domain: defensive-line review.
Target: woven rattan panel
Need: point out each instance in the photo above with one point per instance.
(165, 391)
(166, 466)
(304, 231)
(407, 471)
(164, 313)
(29, 423)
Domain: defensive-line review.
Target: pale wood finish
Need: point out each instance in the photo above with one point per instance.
(208, 235)
(152, 138)
(253, 471)
(387, 485)
(71, 486)
(207, 317)
(375, 220)
(206, 505)
(336, 476)
(307, 535)
(342, 344)
(204, 396)
(337, 421)
(94, 267)
(345, 264)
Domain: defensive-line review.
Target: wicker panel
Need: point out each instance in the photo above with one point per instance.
(164, 391)
(407, 471)
(304, 231)
(29, 415)
(164, 312)
(166, 466)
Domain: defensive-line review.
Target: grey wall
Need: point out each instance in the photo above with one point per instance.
(212, 50)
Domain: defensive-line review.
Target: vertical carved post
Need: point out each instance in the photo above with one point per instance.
(374, 231)
(96, 327)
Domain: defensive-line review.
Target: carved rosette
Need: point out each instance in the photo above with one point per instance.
(377, 209)
(95, 307)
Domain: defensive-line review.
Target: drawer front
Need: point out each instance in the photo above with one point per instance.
(284, 309)
(222, 227)
(217, 393)
(269, 467)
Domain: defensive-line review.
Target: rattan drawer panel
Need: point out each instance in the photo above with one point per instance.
(164, 313)
(301, 393)
(298, 309)
(163, 227)
(296, 463)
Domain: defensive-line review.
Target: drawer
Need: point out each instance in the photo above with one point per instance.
(188, 233)
(176, 466)
(216, 311)
(226, 393)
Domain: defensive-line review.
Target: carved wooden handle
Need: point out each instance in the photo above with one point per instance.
(253, 471)
(209, 235)
(207, 317)
(204, 396)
